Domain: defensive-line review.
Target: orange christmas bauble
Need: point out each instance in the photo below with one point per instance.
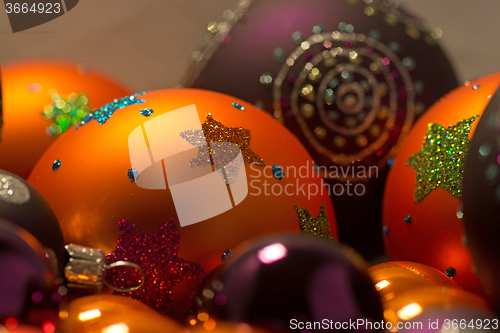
(396, 277)
(408, 288)
(422, 200)
(91, 187)
(111, 313)
(41, 99)
(410, 304)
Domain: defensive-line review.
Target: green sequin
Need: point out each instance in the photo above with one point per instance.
(65, 112)
(312, 226)
(442, 158)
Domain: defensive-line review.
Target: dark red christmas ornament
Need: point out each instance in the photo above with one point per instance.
(348, 78)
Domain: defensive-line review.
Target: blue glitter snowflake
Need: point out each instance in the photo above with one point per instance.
(132, 174)
(278, 172)
(56, 165)
(104, 113)
(146, 112)
(238, 106)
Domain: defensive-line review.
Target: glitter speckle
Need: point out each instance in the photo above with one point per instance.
(13, 190)
(104, 113)
(442, 158)
(317, 29)
(56, 165)
(65, 112)
(146, 112)
(315, 226)
(492, 171)
(278, 172)
(475, 87)
(409, 63)
(385, 230)
(132, 174)
(157, 255)
(450, 272)
(408, 219)
(238, 106)
(266, 78)
(297, 37)
(279, 54)
(228, 253)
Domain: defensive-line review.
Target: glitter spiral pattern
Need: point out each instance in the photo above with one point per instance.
(352, 97)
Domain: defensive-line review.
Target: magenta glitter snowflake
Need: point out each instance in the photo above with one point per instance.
(156, 254)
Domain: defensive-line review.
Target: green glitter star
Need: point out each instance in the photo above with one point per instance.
(65, 112)
(311, 226)
(442, 158)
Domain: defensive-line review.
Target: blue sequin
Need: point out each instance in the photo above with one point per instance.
(56, 165)
(132, 174)
(450, 272)
(146, 112)
(238, 106)
(104, 113)
(278, 172)
(385, 230)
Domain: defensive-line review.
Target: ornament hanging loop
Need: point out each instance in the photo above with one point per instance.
(122, 263)
(86, 268)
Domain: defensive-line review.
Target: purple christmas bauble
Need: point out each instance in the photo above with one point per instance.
(347, 77)
(28, 289)
(284, 282)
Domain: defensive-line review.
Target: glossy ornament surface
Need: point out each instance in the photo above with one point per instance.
(41, 100)
(348, 78)
(410, 305)
(277, 282)
(481, 201)
(396, 277)
(28, 283)
(422, 212)
(96, 312)
(23, 205)
(113, 314)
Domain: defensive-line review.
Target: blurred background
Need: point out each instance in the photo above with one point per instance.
(146, 44)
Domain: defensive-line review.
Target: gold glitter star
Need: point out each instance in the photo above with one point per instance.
(315, 226)
(442, 158)
(214, 131)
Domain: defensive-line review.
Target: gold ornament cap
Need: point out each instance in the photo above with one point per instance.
(86, 268)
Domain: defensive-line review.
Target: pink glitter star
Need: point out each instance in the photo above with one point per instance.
(156, 254)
